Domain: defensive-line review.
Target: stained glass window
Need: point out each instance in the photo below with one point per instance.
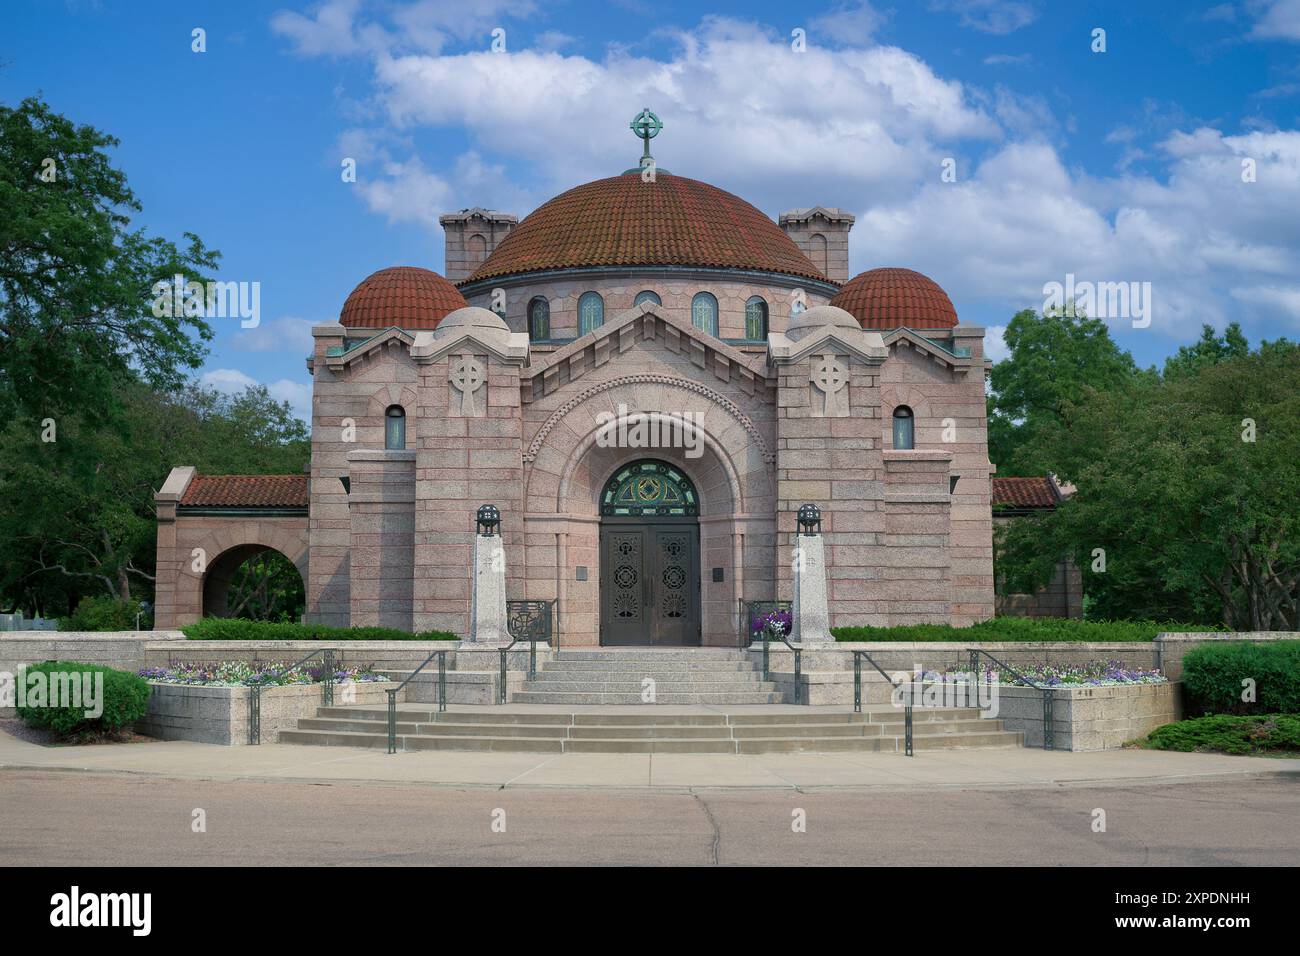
(539, 319)
(591, 312)
(756, 318)
(704, 312)
(647, 296)
(904, 428)
(395, 428)
(649, 488)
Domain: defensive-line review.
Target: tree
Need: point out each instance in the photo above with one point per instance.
(1209, 349)
(1057, 360)
(77, 321)
(82, 519)
(1188, 488)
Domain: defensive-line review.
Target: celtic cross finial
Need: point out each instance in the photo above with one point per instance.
(647, 126)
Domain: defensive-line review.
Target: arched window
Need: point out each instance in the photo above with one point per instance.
(756, 318)
(649, 489)
(395, 428)
(591, 312)
(648, 295)
(904, 428)
(817, 251)
(704, 312)
(539, 319)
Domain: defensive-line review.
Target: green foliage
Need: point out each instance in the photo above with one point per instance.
(1194, 521)
(267, 587)
(1057, 361)
(238, 629)
(76, 316)
(1209, 349)
(1274, 733)
(103, 614)
(1015, 629)
(87, 524)
(1213, 676)
(125, 700)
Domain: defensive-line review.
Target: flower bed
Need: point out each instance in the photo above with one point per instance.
(253, 673)
(1090, 674)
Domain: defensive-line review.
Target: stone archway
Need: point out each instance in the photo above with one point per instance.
(222, 574)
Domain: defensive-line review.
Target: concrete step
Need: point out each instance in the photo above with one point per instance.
(635, 687)
(613, 698)
(327, 738)
(691, 654)
(658, 673)
(438, 729)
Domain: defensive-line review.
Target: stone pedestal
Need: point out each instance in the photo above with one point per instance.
(810, 619)
(489, 613)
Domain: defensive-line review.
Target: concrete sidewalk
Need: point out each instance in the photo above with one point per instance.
(954, 769)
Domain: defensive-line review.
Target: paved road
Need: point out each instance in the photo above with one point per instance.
(106, 819)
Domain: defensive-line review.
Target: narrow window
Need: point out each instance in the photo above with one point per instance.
(904, 428)
(647, 296)
(395, 428)
(704, 312)
(591, 312)
(756, 318)
(539, 319)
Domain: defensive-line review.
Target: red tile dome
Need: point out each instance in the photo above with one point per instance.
(893, 298)
(402, 296)
(624, 221)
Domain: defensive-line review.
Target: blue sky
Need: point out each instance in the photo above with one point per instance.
(1123, 165)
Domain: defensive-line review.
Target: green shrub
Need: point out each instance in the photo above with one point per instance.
(103, 614)
(1222, 733)
(125, 699)
(1018, 629)
(1213, 675)
(238, 629)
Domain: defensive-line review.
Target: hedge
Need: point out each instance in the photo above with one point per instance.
(125, 700)
(1019, 629)
(238, 629)
(105, 614)
(1213, 676)
(1222, 733)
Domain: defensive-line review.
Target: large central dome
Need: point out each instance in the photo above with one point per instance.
(625, 221)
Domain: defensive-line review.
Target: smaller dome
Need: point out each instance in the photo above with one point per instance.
(484, 322)
(896, 298)
(403, 296)
(817, 317)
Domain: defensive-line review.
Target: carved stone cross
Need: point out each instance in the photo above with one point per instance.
(468, 375)
(831, 378)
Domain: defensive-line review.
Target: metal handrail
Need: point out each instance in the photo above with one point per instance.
(857, 695)
(532, 664)
(255, 691)
(1049, 731)
(392, 694)
(798, 664)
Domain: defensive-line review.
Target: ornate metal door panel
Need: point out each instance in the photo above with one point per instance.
(649, 584)
(675, 585)
(624, 585)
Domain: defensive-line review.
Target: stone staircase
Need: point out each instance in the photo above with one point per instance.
(682, 676)
(784, 731)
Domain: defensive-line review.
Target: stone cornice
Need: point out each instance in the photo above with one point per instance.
(509, 347)
(867, 346)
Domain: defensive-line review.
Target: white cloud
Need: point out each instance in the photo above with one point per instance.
(287, 334)
(337, 28)
(1279, 21)
(995, 344)
(233, 381)
(990, 16)
(854, 24)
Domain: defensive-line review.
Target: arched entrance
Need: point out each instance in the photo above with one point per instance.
(649, 557)
(253, 581)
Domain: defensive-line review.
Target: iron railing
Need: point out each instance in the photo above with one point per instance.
(749, 611)
(532, 665)
(531, 620)
(798, 664)
(255, 690)
(858, 658)
(1049, 730)
(392, 695)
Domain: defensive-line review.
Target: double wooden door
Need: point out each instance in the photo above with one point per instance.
(650, 584)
